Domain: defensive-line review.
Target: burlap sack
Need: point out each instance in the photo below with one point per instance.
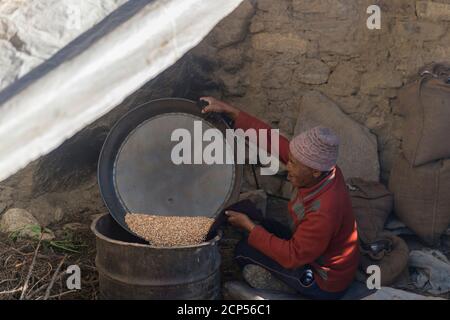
(422, 196)
(392, 262)
(426, 105)
(372, 203)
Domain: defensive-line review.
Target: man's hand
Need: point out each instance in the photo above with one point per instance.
(220, 106)
(240, 220)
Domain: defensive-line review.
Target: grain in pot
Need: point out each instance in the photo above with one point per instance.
(162, 231)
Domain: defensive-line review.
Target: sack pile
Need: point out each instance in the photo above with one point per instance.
(372, 203)
(420, 177)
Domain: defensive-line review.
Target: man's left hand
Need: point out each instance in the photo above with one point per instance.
(240, 220)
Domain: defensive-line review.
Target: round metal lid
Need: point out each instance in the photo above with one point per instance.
(137, 174)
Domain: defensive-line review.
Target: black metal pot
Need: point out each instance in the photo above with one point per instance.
(132, 270)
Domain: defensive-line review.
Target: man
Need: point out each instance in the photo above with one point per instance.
(320, 258)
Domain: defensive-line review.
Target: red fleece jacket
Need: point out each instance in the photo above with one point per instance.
(325, 235)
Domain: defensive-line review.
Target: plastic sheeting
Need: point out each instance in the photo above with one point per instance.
(433, 271)
(32, 31)
(97, 71)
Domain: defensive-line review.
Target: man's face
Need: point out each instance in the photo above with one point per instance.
(300, 175)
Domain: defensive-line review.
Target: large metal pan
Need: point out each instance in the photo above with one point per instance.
(137, 175)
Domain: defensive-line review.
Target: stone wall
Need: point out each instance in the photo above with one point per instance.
(268, 54)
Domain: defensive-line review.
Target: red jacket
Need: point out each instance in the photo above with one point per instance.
(325, 235)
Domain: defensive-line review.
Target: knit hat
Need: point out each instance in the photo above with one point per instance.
(316, 148)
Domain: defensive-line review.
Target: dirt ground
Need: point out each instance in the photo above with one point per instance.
(36, 270)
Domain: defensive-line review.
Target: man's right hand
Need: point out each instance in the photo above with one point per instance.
(221, 107)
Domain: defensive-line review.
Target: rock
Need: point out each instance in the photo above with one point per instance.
(344, 81)
(45, 213)
(274, 42)
(257, 26)
(439, 52)
(330, 23)
(231, 58)
(16, 219)
(401, 8)
(383, 78)
(350, 105)
(308, 7)
(419, 30)
(233, 29)
(376, 121)
(5, 198)
(327, 8)
(277, 77)
(22, 223)
(410, 58)
(233, 84)
(48, 235)
(274, 7)
(435, 11)
(258, 197)
(287, 126)
(358, 154)
(2, 207)
(387, 293)
(312, 71)
(6, 193)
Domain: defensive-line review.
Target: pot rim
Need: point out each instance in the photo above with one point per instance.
(100, 235)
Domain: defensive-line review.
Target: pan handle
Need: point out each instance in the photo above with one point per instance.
(202, 104)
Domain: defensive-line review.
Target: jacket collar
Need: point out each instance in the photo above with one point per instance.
(313, 192)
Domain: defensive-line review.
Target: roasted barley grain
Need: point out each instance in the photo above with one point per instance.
(164, 231)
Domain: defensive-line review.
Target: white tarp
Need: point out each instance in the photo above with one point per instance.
(32, 31)
(76, 92)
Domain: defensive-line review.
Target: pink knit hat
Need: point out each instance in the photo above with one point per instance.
(316, 148)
